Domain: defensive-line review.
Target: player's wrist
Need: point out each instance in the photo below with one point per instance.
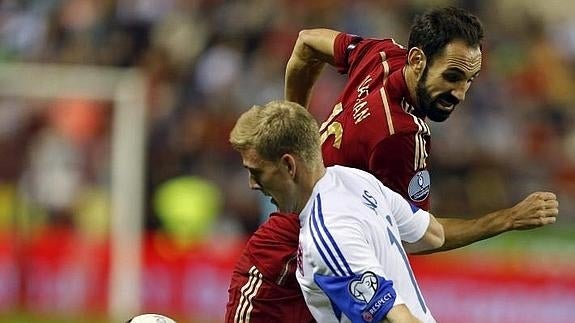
(499, 221)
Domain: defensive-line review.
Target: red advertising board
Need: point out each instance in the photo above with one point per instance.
(497, 286)
(59, 271)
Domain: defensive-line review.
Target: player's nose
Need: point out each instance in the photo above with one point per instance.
(460, 91)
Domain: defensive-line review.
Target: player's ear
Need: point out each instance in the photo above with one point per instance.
(289, 164)
(417, 60)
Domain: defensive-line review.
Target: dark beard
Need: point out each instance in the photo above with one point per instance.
(428, 105)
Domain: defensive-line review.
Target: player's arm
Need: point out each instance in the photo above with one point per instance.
(536, 210)
(313, 48)
(419, 230)
(432, 239)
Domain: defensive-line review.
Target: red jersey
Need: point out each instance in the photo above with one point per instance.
(372, 127)
(263, 287)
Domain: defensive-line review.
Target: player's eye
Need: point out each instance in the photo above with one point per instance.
(452, 77)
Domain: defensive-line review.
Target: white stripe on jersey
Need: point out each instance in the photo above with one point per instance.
(285, 271)
(420, 154)
(248, 292)
(406, 106)
(385, 65)
(383, 93)
(387, 110)
(398, 45)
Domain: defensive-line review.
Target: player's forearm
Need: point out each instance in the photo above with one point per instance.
(462, 232)
(536, 210)
(312, 50)
(301, 75)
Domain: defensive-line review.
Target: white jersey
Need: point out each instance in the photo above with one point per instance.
(351, 264)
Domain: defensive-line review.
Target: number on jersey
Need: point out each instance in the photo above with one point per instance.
(330, 127)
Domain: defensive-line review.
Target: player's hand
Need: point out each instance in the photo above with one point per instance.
(536, 210)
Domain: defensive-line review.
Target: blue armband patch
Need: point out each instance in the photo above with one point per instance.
(362, 298)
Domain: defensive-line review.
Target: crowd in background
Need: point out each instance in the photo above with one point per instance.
(206, 61)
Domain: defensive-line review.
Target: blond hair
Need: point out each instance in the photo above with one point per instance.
(278, 128)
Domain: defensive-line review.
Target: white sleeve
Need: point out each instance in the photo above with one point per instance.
(412, 222)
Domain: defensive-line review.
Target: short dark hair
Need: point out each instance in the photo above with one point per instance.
(436, 28)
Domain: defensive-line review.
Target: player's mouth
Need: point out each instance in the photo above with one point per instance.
(446, 104)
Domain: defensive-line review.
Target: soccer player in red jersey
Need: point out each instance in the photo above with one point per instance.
(378, 125)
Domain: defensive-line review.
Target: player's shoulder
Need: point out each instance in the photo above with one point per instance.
(364, 184)
(349, 184)
(353, 195)
(273, 246)
(279, 227)
(384, 44)
(345, 172)
(374, 50)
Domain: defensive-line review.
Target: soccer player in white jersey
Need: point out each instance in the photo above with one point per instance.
(351, 236)
(352, 263)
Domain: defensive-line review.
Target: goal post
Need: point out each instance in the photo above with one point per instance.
(126, 89)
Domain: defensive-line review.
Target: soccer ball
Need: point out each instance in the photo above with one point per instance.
(151, 318)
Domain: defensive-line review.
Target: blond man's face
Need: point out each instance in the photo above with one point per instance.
(269, 177)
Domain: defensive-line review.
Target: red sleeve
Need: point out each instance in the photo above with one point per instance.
(344, 43)
(351, 50)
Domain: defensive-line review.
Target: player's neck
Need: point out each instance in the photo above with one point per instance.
(411, 82)
(307, 185)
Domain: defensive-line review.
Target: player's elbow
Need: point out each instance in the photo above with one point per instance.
(433, 239)
(436, 234)
(304, 34)
(304, 44)
(307, 36)
(315, 45)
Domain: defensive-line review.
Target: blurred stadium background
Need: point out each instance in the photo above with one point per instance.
(120, 195)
